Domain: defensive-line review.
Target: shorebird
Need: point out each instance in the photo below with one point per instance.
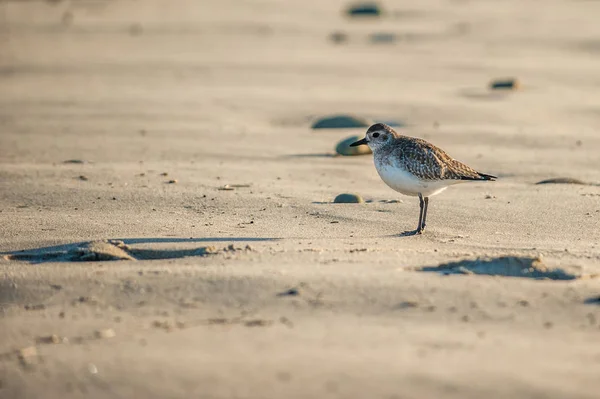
(414, 167)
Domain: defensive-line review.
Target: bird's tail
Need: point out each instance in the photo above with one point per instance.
(479, 176)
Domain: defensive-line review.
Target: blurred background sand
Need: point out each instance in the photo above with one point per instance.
(182, 132)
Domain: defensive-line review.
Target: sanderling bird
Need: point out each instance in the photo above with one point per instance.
(415, 167)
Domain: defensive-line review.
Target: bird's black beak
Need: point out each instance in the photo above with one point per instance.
(359, 142)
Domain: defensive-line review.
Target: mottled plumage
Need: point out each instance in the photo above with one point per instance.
(422, 159)
(412, 166)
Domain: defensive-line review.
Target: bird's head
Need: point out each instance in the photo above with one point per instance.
(377, 136)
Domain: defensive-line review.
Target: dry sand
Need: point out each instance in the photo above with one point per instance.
(268, 290)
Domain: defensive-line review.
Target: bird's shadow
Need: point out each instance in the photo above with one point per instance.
(409, 233)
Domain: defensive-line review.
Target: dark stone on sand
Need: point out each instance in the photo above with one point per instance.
(364, 10)
(341, 122)
(348, 199)
(505, 84)
(562, 180)
(595, 300)
(343, 147)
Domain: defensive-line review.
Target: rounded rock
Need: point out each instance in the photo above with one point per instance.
(343, 147)
(341, 122)
(348, 199)
(366, 9)
(505, 84)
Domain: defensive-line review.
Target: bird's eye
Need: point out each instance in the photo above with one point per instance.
(375, 135)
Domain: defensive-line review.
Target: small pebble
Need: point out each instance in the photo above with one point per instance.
(88, 299)
(348, 199)
(106, 333)
(593, 300)
(29, 351)
(290, 292)
(28, 356)
(505, 84)
(364, 10)
(341, 122)
(343, 147)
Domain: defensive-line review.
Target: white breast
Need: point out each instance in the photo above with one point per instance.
(407, 184)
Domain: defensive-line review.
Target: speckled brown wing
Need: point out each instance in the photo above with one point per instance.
(429, 162)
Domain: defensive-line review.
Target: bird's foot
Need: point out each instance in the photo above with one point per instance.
(411, 233)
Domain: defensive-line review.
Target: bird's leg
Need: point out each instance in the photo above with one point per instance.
(425, 213)
(422, 206)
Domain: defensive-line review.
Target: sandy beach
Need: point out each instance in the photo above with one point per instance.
(167, 225)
